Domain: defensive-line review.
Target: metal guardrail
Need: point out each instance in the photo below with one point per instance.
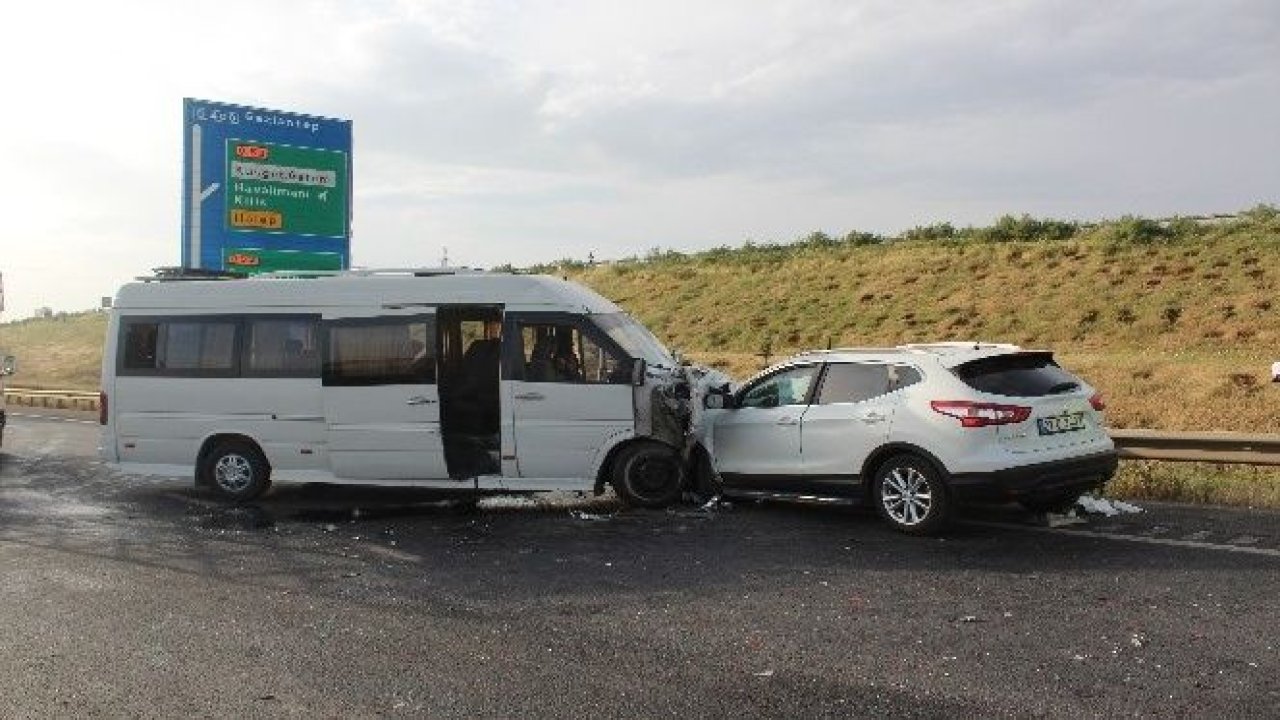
(62, 399)
(1215, 447)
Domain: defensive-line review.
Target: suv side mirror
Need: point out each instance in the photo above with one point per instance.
(10, 365)
(638, 367)
(717, 400)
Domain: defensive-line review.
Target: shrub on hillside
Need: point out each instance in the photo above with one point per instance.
(1025, 229)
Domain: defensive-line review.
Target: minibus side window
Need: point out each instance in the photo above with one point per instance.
(381, 351)
(188, 346)
(562, 353)
(197, 346)
(140, 345)
(282, 347)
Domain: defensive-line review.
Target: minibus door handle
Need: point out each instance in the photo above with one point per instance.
(531, 396)
(419, 400)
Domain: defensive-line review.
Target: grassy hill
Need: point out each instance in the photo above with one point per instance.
(1176, 322)
(60, 352)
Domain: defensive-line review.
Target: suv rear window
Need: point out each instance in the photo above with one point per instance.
(1017, 374)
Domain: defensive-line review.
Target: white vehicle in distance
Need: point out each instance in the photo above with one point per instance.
(917, 429)
(449, 379)
(7, 367)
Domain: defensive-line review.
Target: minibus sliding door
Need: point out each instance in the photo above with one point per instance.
(469, 347)
(381, 404)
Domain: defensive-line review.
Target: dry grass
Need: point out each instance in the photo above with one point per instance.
(1177, 336)
(63, 352)
(1239, 485)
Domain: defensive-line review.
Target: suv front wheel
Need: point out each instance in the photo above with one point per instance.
(909, 493)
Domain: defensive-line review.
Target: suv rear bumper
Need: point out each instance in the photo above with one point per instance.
(1036, 482)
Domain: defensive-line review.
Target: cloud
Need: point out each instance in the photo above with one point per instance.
(527, 131)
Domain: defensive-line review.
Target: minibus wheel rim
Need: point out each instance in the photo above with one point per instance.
(233, 473)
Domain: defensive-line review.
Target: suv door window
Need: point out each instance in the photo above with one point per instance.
(789, 387)
(853, 382)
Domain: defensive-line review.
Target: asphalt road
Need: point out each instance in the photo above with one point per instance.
(123, 596)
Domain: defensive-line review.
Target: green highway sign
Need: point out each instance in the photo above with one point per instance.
(254, 261)
(277, 188)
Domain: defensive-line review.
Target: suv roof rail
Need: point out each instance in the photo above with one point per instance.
(957, 346)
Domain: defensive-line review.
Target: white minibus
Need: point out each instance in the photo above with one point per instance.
(450, 379)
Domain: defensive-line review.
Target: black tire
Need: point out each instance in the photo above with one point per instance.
(235, 470)
(648, 475)
(909, 493)
(1053, 504)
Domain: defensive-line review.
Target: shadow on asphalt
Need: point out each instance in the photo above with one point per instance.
(377, 542)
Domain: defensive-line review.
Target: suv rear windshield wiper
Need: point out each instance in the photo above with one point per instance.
(1063, 387)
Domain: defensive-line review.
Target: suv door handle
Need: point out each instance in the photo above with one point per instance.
(787, 420)
(419, 400)
(873, 417)
(531, 396)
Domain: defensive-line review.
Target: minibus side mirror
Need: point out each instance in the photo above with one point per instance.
(10, 365)
(638, 367)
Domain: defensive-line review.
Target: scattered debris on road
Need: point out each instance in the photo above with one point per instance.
(1103, 506)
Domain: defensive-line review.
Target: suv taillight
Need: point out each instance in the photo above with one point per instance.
(102, 408)
(1097, 402)
(976, 414)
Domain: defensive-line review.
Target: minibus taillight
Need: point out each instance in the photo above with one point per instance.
(102, 408)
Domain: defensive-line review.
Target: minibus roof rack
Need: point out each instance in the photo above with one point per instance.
(171, 274)
(372, 272)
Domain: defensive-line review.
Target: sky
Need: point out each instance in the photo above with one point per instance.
(526, 132)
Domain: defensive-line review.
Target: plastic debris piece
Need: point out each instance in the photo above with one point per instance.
(1070, 517)
(1103, 506)
(1125, 507)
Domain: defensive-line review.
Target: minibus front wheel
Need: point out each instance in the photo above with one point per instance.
(236, 470)
(648, 474)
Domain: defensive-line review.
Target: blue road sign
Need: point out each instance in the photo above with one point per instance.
(264, 181)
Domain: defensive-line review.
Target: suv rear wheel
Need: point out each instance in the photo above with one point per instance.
(910, 495)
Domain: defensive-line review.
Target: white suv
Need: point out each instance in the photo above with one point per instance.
(917, 428)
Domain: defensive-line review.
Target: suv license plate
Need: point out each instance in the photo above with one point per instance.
(1061, 423)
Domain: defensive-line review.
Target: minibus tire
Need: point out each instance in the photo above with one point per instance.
(648, 475)
(245, 473)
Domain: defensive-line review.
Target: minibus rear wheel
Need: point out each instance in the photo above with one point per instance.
(648, 475)
(236, 470)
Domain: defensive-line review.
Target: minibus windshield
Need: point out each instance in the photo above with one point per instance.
(634, 338)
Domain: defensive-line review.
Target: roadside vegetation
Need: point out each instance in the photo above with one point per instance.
(1176, 321)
